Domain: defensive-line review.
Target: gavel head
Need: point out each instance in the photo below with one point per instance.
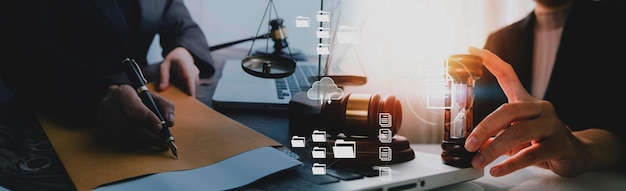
(278, 31)
(362, 115)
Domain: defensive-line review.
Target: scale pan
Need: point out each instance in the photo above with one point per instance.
(268, 66)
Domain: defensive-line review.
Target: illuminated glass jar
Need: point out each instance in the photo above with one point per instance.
(463, 70)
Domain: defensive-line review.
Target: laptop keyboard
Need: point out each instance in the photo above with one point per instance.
(297, 82)
(301, 178)
(333, 174)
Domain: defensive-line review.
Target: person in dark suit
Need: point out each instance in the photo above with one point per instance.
(549, 98)
(64, 59)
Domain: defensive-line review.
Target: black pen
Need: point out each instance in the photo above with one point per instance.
(138, 82)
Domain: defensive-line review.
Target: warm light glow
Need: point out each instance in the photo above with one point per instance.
(404, 44)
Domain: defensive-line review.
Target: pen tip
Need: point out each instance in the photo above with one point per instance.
(174, 149)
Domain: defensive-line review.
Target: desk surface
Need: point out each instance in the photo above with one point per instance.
(535, 178)
(50, 174)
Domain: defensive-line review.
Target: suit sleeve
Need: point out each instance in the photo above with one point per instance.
(42, 73)
(178, 29)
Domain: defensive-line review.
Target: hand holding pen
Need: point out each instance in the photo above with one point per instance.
(124, 122)
(138, 82)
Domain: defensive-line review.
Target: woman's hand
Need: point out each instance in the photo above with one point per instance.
(124, 121)
(527, 129)
(180, 63)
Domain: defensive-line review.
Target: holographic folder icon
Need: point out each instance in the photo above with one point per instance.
(318, 136)
(318, 169)
(302, 21)
(323, 16)
(323, 49)
(323, 32)
(297, 141)
(344, 149)
(348, 35)
(319, 152)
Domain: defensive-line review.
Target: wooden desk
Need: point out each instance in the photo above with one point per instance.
(535, 178)
(28, 162)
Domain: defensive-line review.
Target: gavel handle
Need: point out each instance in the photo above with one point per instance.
(220, 46)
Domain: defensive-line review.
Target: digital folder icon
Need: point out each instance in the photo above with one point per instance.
(318, 169)
(297, 141)
(323, 49)
(323, 16)
(319, 136)
(348, 35)
(344, 149)
(302, 21)
(319, 152)
(323, 32)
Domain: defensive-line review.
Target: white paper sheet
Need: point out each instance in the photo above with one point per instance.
(231, 173)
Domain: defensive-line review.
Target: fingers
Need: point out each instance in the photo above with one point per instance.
(525, 128)
(180, 62)
(534, 137)
(190, 75)
(504, 73)
(189, 82)
(500, 120)
(134, 108)
(124, 121)
(506, 114)
(538, 153)
(509, 135)
(166, 107)
(164, 77)
(193, 81)
(511, 141)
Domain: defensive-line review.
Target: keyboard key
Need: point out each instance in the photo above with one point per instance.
(365, 171)
(308, 175)
(296, 82)
(343, 174)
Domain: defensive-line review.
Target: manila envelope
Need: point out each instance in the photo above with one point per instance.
(203, 136)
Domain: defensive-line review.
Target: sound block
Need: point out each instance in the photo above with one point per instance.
(367, 152)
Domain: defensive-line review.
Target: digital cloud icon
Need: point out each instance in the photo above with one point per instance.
(325, 89)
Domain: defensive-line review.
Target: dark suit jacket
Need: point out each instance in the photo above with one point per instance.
(63, 54)
(586, 79)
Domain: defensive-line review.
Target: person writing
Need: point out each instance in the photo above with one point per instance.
(555, 106)
(64, 60)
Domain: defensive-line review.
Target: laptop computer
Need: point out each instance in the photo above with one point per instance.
(425, 172)
(238, 89)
